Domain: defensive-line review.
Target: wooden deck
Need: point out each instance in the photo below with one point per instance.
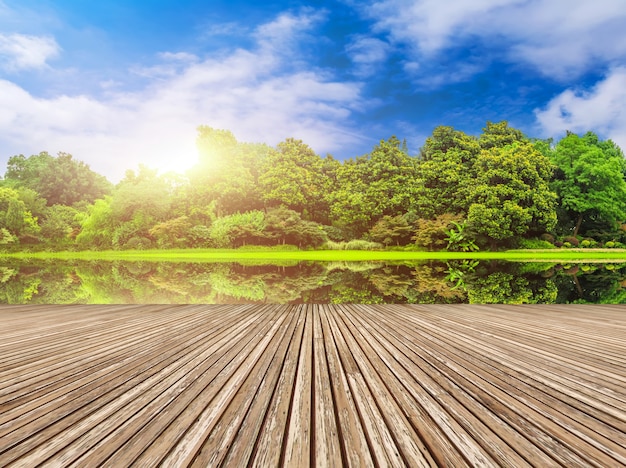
(253, 385)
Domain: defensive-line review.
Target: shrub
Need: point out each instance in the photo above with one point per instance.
(356, 244)
(572, 240)
(535, 244)
(547, 237)
(137, 243)
(588, 243)
(432, 233)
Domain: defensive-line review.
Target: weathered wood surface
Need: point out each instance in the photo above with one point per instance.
(319, 385)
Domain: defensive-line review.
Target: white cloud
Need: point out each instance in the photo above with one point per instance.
(258, 94)
(367, 53)
(602, 110)
(24, 52)
(561, 38)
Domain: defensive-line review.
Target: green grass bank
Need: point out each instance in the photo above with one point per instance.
(226, 255)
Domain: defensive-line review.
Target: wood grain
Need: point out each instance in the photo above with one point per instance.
(313, 385)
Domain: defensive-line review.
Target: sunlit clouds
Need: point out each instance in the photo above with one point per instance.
(258, 94)
(341, 76)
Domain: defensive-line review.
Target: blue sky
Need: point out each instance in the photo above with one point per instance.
(120, 83)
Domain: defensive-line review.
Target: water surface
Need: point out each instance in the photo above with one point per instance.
(455, 281)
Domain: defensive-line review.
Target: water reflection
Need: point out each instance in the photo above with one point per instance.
(463, 281)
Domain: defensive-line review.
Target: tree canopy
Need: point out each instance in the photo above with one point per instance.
(495, 190)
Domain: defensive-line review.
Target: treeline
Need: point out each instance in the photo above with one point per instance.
(498, 190)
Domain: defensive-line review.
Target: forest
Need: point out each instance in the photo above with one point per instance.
(499, 190)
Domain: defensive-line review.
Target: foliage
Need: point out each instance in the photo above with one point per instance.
(60, 181)
(496, 190)
(59, 224)
(511, 196)
(14, 217)
(237, 229)
(226, 176)
(535, 244)
(382, 183)
(589, 180)
(292, 176)
(391, 230)
(355, 244)
(172, 233)
(445, 170)
(458, 240)
(432, 233)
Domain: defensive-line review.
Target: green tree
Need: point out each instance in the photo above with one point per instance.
(432, 234)
(293, 176)
(511, 195)
(238, 229)
(172, 233)
(97, 226)
(382, 183)
(60, 181)
(59, 224)
(499, 135)
(285, 226)
(446, 172)
(225, 178)
(391, 230)
(14, 217)
(589, 180)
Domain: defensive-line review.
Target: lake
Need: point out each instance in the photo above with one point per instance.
(453, 281)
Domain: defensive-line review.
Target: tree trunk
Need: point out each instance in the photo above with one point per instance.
(578, 223)
(578, 287)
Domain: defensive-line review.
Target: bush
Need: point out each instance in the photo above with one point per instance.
(588, 243)
(356, 244)
(137, 243)
(547, 237)
(535, 244)
(572, 240)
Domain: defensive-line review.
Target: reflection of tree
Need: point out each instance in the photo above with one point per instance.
(594, 284)
(41, 284)
(510, 287)
(48, 282)
(432, 287)
(391, 281)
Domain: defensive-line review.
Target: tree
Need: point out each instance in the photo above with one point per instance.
(446, 172)
(589, 180)
(382, 183)
(499, 135)
(227, 175)
(97, 226)
(285, 226)
(138, 202)
(391, 230)
(172, 233)
(292, 175)
(511, 196)
(59, 224)
(433, 234)
(14, 217)
(237, 229)
(60, 181)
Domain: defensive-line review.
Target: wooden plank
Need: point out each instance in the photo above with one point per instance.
(323, 385)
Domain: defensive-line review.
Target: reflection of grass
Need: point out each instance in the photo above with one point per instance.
(278, 257)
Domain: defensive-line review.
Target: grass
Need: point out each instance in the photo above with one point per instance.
(226, 255)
